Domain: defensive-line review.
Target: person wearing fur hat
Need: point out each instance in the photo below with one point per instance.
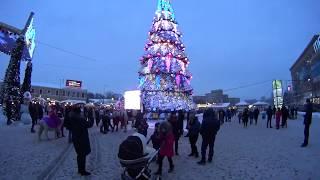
(166, 147)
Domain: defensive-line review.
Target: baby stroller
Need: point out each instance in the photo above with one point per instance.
(135, 158)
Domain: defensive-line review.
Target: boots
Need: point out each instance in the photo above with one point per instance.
(202, 162)
(171, 169)
(196, 154)
(210, 159)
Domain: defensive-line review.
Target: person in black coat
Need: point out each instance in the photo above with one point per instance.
(245, 117)
(209, 128)
(269, 117)
(67, 122)
(194, 130)
(285, 115)
(176, 129)
(307, 122)
(80, 138)
(256, 113)
(34, 116)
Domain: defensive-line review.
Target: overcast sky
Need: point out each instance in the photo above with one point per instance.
(230, 43)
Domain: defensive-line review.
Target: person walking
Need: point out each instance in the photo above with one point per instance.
(245, 117)
(240, 117)
(194, 130)
(97, 117)
(209, 128)
(166, 147)
(269, 116)
(80, 138)
(221, 116)
(176, 129)
(256, 113)
(251, 116)
(307, 122)
(34, 116)
(285, 115)
(278, 117)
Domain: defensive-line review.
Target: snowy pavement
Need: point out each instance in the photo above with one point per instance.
(252, 153)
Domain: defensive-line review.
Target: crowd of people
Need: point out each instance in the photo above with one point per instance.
(165, 138)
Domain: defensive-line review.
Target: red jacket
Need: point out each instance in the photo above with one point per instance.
(166, 148)
(278, 115)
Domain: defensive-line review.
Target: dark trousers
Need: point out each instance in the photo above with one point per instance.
(81, 160)
(34, 122)
(97, 121)
(251, 120)
(239, 120)
(306, 133)
(70, 136)
(160, 161)
(193, 140)
(284, 122)
(256, 121)
(269, 122)
(204, 146)
(176, 143)
(245, 123)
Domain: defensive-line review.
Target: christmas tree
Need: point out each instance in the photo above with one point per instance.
(12, 83)
(26, 85)
(164, 79)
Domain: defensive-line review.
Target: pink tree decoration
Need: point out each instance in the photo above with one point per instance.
(178, 80)
(150, 63)
(168, 63)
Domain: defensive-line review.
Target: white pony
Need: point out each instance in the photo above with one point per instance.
(50, 123)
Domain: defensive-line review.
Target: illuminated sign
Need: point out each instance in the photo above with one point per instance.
(132, 100)
(74, 84)
(316, 45)
(277, 93)
(30, 38)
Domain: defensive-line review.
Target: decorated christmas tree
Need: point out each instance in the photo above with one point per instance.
(164, 79)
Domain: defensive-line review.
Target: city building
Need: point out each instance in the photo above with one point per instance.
(305, 74)
(54, 92)
(215, 96)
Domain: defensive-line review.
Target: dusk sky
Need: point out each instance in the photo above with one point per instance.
(229, 43)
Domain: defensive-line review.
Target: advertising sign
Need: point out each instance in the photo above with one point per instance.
(132, 100)
(73, 84)
(30, 38)
(277, 93)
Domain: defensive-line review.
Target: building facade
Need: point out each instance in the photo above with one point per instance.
(215, 96)
(305, 73)
(53, 92)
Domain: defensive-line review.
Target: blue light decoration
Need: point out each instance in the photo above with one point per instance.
(164, 5)
(158, 79)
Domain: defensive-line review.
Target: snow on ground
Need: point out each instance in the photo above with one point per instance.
(252, 153)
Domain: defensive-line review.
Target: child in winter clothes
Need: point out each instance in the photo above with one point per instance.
(155, 137)
(278, 117)
(166, 147)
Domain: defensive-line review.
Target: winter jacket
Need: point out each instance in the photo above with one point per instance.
(194, 128)
(308, 115)
(175, 126)
(167, 142)
(80, 136)
(269, 112)
(285, 113)
(209, 128)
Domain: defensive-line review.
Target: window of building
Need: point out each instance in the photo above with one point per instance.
(78, 94)
(63, 93)
(73, 94)
(57, 92)
(82, 95)
(48, 91)
(40, 92)
(68, 93)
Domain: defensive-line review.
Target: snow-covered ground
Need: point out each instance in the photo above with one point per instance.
(252, 153)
